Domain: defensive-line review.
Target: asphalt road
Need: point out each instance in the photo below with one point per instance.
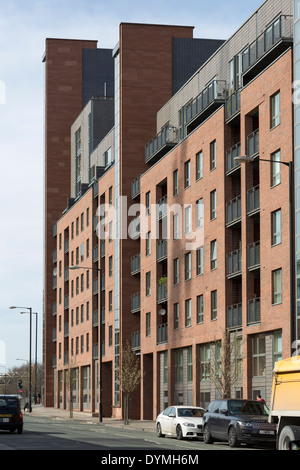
(46, 434)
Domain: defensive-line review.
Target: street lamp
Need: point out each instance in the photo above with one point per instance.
(36, 335)
(30, 311)
(246, 159)
(100, 333)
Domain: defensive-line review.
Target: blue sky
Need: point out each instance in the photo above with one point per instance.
(24, 26)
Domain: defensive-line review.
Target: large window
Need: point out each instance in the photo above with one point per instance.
(259, 356)
(276, 227)
(214, 305)
(199, 165)
(212, 155)
(275, 168)
(213, 205)
(276, 286)
(188, 312)
(200, 308)
(188, 266)
(187, 174)
(275, 109)
(213, 254)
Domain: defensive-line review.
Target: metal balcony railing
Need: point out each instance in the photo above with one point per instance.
(233, 105)
(135, 264)
(231, 164)
(233, 211)
(253, 311)
(161, 250)
(162, 207)
(253, 143)
(95, 253)
(161, 143)
(234, 316)
(234, 263)
(253, 204)
(162, 292)
(254, 255)
(136, 340)
(162, 333)
(135, 302)
(135, 187)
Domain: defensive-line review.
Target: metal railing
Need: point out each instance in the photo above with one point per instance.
(253, 203)
(162, 207)
(233, 104)
(233, 210)
(234, 262)
(253, 310)
(135, 302)
(135, 187)
(254, 255)
(216, 90)
(168, 135)
(234, 315)
(235, 151)
(136, 263)
(253, 143)
(136, 340)
(162, 291)
(162, 333)
(161, 250)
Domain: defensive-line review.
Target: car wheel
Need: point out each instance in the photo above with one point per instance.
(232, 437)
(179, 433)
(158, 431)
(207, 435)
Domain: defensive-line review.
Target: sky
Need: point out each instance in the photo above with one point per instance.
(24, 26)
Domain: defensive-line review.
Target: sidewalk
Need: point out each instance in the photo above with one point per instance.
(56, 413)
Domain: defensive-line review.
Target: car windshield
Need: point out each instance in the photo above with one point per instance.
(8, 404)
(190, 412)
(248, 408)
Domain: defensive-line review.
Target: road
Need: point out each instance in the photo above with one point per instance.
(44, 433)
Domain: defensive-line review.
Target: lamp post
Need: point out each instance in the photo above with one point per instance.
(36, 335)
(246, 159)
(100, 334)
(29, 385)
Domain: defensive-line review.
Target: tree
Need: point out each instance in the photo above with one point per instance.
(226, 362)
(130, 376)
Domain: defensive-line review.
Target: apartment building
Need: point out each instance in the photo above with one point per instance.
(174, 244)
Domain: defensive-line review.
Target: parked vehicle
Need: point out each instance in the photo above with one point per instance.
(238, 421)
(180, 421)
(11, 417)
(285, 403)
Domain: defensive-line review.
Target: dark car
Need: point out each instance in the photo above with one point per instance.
(11, 417)
(238, 421)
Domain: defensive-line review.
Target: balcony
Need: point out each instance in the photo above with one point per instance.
(253, 311)
(234, 263)
(233, 211)
(233, 106)
(66, 302)
(102, 248)
(95, 286)
(66, 246)
(135, 228)
(164, 141)
(234, 316)
(136, 341)
(275, 40)
(253, 144)
(161, 250)
(95, 318)
(66, 274)
(135, 264)
(162, 333)
(231, 164)
(162, 207)
(66, 329)
(95, 253)
(135, 302)
(162, 292)
(253, 204)
(254, 256)
(206, 103)
(135, 187)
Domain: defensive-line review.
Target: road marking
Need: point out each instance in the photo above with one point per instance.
(5, 447)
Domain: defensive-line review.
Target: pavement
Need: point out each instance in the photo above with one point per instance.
(60, 414)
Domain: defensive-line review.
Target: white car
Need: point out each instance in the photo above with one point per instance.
(180, 421)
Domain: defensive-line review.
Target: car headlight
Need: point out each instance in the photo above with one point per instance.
(191, 425)
(245, 424)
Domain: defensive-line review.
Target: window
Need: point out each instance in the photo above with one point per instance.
(275, 168)
(88, 279)
(110, 266)
(188, 312)
(275, 109)
(148, 324)
(189, 364)
(82, 282)
(175, 183)
(82, 222)
(213, 254)
(88, 248)
(187, 219)
(200, 308)
(110, 336)
(176, 271)
(148, 243)
(110, 196)
(148, 283)
(276, 227)
(110, 301)
(187, 174)
(178, 363)
(214, 305)
(199, 260)
(205, 362)
(87, 216)
(259, 356)
(110, 231)
(87, 311)
(277, 286)
(176, 316)
(175, 227)
(81, 251)
(82, 313)
(277, 347)
(213, 205)
(199, 166)
(199, 213)
(212, 155)
(148, 202)
(188, 266)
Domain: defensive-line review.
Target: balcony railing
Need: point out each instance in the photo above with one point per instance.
(135, 302)
(95, 318)
(270, 44)
(254, 255)
(161, 250)
(161, 144)
(95, 253)
(162, 292)
(136, 340)
(66, 274)
(234, 316)
(135, 187)
(233, 211)
(135, 264)
(210, 99)
(231, 164)
(95, 286)
(253, 311)
(253, 143)
(102, 248)
(162, 207)
(253, 203)
(66, 301)
(233, 105)
(234, 263)
(162, 333)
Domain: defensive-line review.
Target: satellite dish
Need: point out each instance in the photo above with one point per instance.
(55, 272)
(162, 311)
